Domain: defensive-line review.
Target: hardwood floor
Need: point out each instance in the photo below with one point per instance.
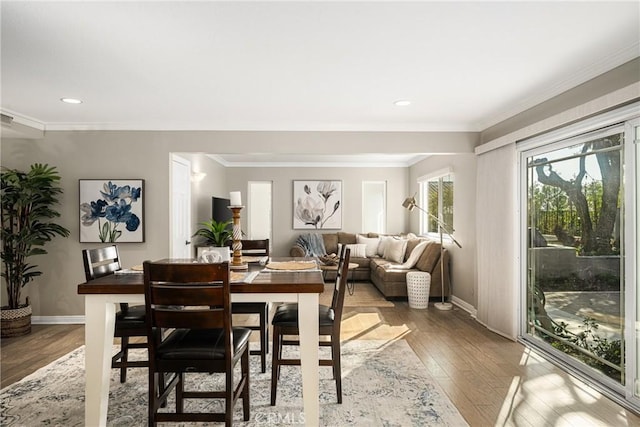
(491, 380)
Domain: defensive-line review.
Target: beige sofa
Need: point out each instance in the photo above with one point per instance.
(391, 282)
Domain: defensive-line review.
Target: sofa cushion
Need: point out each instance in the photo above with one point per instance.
(371, 244)
(429, 258)
(362, 262)
(394, 250)
(387, 272)
(346, 238)
(330, 243)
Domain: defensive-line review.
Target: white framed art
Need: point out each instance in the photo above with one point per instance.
(317, 204)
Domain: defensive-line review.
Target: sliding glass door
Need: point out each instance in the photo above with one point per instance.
(579, 239)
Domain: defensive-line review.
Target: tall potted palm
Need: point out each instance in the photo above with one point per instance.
(27, 200)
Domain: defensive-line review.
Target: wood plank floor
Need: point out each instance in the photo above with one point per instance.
(491, 380)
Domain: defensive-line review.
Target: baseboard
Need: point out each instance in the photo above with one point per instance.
(57, 320)
(465, 306)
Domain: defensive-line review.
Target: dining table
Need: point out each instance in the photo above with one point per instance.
(260, 284)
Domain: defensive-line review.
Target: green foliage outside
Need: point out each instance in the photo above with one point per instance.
(587, 339)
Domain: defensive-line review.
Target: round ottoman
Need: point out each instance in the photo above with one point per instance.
(418, 287)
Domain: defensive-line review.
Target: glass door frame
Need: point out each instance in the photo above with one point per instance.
(560, 138)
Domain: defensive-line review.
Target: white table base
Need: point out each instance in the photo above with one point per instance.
(99, 326)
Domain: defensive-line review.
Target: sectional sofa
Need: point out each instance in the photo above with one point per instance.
(385, 260)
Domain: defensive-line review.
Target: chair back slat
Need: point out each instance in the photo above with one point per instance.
(254, 247)
(187, 295)
(100, 262)
(188, 319)
(210, 294)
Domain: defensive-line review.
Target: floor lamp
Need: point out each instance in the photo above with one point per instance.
(410, 203)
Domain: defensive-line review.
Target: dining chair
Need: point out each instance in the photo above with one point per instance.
(130, 320)
(192, 301)
(285, 322)
(256, 248)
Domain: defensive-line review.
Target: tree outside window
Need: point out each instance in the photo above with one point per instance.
(436, 193)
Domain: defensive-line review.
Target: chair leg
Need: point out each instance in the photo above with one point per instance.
(153, 400)
(264, 343)
(275, 364)
(337, 372)
(228, 402)
(246, 403)
(266, 327)
(124, 347)
(180, 393)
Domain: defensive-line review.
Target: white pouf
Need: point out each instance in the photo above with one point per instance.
(418, 287)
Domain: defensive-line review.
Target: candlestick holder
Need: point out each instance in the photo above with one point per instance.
(236, 262)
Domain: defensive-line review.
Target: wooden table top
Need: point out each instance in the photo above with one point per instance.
(267, 281)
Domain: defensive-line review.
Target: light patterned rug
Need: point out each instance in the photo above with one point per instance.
(384, 384)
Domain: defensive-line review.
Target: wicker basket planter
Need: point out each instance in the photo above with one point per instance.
(15, 322)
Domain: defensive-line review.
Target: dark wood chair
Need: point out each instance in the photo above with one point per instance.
(192, 300)
(256, 248)
(285, 322)
(130, 320)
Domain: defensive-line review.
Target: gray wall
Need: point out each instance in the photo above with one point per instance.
(282, 178)
(463, 261)
(146, 155)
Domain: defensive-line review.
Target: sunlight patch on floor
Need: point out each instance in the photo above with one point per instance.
(370, 326)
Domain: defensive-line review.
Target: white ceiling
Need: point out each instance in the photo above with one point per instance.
(301, 65)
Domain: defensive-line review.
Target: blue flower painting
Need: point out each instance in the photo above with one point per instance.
(111, 211)
(317, 204)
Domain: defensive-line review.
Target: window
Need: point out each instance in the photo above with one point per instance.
(436, 197)
(374, 202)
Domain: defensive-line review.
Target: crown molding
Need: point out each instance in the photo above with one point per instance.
(319, 164)
(616, 59)
(21, 119)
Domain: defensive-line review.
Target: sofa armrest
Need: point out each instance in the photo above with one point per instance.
(297, 251)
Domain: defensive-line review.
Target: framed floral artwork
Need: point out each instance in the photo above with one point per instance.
(317, 205)
(111, 210)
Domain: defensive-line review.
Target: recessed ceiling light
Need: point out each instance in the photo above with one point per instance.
(71, 100)
(402, 103)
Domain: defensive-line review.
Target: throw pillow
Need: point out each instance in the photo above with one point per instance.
(411, 245)
(394, 250)
(429, 258)
(357, 250)
(383, 244)
(415, 255)
(371, 245)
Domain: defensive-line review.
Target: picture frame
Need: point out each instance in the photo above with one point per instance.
(111, 210)
(317, 204)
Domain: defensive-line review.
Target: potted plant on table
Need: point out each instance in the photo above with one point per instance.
(27, 199)
(214, 234)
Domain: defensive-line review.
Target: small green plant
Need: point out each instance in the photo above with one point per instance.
(215, 233)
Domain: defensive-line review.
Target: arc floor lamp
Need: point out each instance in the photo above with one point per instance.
(410, 203)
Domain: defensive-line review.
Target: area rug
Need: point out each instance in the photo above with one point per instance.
(384, 384)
